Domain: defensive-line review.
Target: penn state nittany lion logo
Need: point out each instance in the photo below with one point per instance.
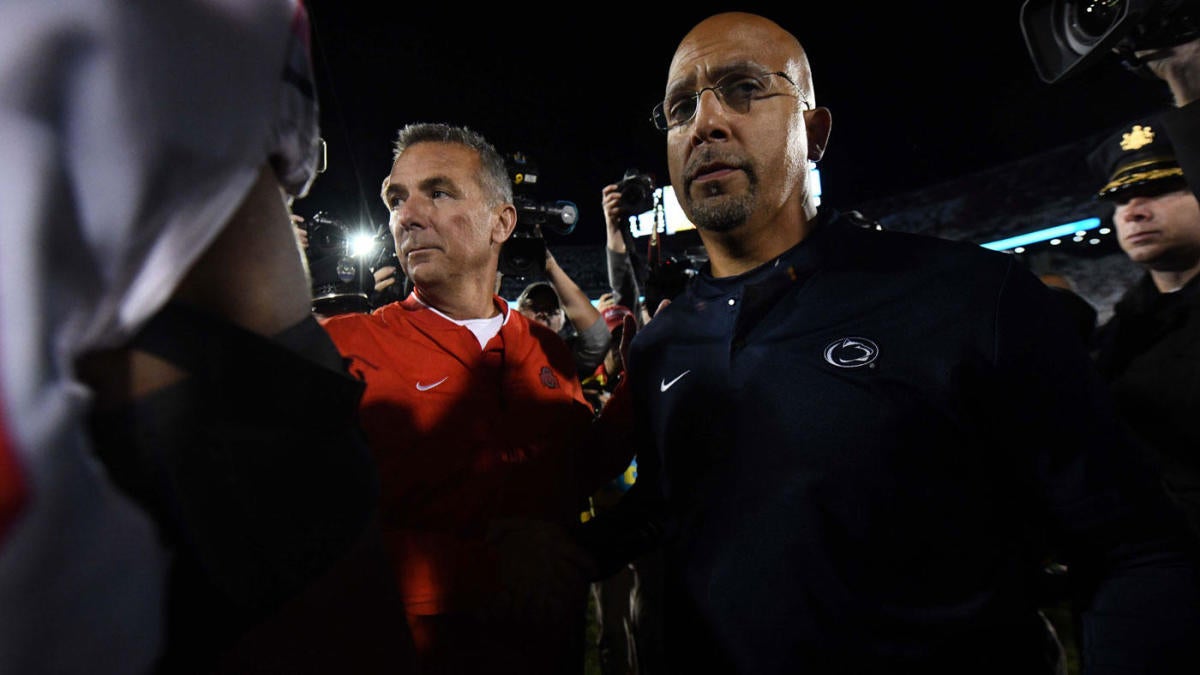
(851, 352)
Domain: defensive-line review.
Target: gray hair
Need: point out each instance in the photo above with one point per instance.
(494, 179)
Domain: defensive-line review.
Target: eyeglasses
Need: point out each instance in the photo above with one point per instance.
(736, 92)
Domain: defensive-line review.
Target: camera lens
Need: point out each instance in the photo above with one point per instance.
(1090, 21)
(637, 192)
(632, 194)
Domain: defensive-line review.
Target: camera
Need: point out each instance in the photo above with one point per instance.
(667, 278)
(342, 262)
(559, 217)
(1068, 36)
(637, 192)
(524, 254)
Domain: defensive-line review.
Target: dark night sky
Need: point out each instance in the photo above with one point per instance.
(920, 93)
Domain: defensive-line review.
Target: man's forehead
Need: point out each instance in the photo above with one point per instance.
(712, 70)
(730, 39)
(427, 159)
(436, 156)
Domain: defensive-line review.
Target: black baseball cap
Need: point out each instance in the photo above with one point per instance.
(1137, 159)
(539, 296)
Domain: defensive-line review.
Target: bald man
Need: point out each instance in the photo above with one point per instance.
(857, 446)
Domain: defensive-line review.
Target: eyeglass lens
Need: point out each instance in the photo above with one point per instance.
(735, 92)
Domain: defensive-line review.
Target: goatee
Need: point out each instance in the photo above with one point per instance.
(721, 213)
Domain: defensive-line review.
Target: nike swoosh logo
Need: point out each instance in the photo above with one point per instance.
(427, 387)
(664, 385)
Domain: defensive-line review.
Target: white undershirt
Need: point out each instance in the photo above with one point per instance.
(483, 329)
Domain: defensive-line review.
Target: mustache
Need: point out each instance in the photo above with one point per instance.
(710, 158)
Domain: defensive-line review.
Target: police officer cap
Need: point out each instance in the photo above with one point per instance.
(1137, 160)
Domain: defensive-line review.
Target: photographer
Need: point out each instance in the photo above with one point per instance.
(560, 300)
(634, 194)
(331, 294)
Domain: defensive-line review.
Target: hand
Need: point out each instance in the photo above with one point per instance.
(615, 221)
(384, 276)
(1179, 67)
(606, 300)
(614, 215)
(301, 231)
(628, 329)
(541, 571)
(661, 306)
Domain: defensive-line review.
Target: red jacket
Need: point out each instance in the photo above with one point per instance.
(462, 435)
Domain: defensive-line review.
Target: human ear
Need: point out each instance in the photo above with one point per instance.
(817, 123)
(504, 223)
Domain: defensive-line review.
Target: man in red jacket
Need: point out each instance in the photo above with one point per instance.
(475, 416)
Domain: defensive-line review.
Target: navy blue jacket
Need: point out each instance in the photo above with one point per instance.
(859, 457)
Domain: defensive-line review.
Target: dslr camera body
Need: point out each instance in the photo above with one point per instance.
(1068, 36)
(342, 263)
(637, 192)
